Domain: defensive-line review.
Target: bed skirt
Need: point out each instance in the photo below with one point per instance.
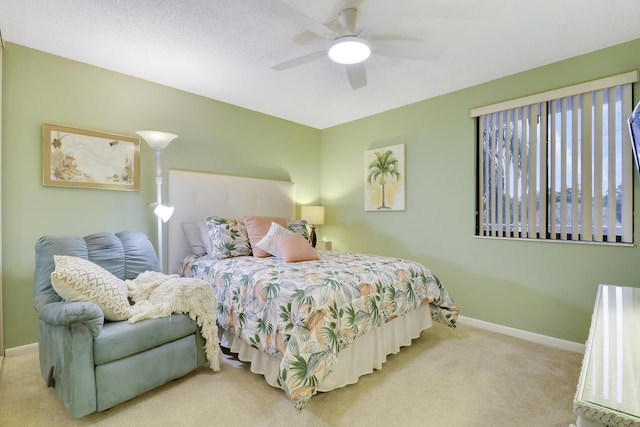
(367, 352)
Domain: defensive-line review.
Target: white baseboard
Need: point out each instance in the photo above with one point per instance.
(20, 350)
(506, 330)
(525, 335)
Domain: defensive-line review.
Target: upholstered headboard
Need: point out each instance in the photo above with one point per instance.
(196, 195)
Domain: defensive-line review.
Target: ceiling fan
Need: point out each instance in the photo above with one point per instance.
(352, 44)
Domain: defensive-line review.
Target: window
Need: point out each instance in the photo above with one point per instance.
(558, 165)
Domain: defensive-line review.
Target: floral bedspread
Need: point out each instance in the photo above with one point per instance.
(306, 312)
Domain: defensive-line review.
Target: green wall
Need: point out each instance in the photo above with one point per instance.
(546, 288)
(213, 136)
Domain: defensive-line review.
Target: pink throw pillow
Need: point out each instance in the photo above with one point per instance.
(294, 247)
(257, 228)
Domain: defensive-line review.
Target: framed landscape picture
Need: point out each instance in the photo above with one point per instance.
(87, 159)
(384, 179)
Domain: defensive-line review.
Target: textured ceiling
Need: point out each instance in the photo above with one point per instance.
(224, 49)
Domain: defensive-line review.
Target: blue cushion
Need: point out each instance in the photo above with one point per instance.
(125, 255)
(122, 339)
(123, 379)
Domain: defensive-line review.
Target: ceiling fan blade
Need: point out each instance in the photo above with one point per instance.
(357, 75)
(406, 49)
(347, 19)
(301, 19)
(300, 61)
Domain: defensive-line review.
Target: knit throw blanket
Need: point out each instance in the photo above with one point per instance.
(158, 295)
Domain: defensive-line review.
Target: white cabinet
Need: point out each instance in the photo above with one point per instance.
(608, 391)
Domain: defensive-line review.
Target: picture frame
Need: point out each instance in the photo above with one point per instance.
(81, 158)
(633, 123)
(384, 179)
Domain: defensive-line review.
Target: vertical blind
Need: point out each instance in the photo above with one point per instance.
(557, 165)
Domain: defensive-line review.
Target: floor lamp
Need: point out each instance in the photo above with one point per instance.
(158, 141)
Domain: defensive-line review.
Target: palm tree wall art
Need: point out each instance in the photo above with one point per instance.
(384, 187)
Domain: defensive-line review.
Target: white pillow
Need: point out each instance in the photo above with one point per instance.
(204, 236)
(197, 235)
(78, 279)
(266, 244)
(192, 234)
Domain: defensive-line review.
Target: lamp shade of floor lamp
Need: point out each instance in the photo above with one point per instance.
(158, 141)
(314, 215)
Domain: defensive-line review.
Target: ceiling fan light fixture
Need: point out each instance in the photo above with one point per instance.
(349, 50)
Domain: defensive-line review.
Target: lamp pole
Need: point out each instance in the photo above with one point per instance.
(158, 141)
(158, 151)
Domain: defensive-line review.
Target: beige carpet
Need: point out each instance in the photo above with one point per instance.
(462, 377)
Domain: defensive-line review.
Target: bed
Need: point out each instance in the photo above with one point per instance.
(313, 325)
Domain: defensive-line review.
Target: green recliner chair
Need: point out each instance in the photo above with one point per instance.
(92, 364)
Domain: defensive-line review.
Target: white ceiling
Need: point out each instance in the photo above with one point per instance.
(223, 49)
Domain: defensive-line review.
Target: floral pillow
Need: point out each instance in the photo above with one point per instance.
(78, 279)
(299, 227)
(228, 237)
(267, 245)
